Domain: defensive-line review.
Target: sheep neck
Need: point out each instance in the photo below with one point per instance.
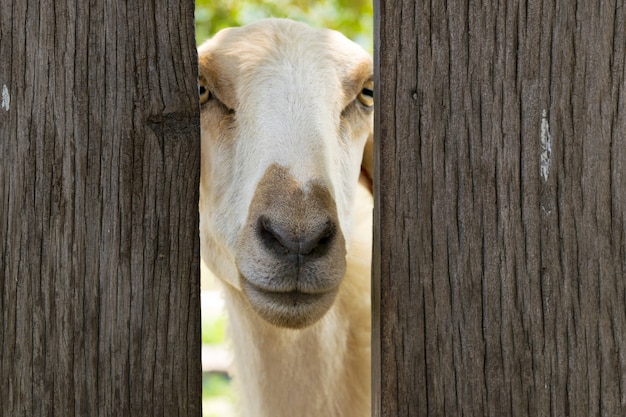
(321, 370)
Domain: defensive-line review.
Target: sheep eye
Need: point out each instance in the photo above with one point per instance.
(204, 94)
(366, 96)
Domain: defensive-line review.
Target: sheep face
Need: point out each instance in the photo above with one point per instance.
(286, 111)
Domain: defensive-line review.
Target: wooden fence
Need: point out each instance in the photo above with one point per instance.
(500, 224)
(500, 262)
(99, 248)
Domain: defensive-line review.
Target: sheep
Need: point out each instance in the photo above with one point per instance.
(286, 213)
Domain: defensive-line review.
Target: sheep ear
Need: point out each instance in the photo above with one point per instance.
(203, 62)
(367, 164)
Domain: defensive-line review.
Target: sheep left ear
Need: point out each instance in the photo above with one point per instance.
(367, 164)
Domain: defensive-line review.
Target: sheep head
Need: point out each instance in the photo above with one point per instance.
(286, 111)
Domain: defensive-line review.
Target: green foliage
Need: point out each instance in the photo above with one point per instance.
(218, 398)
(354, 18)
(216, 385)
(213, 329)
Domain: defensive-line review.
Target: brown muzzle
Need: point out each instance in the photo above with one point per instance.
(291, 252)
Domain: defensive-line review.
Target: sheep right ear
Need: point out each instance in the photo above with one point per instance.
(367, 164)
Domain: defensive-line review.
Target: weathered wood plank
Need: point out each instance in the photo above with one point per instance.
(500, 271)
(99, 166)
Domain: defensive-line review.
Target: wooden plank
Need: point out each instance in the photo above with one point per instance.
(500, 268)
(99, 170)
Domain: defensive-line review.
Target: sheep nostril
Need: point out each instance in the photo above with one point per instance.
(283, 241)
(273, 237)
(318, 240)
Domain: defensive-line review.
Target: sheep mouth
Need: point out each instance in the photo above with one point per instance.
(291, 309)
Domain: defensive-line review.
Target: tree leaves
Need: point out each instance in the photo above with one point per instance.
(354, 18)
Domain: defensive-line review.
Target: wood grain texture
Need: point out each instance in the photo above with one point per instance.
(99, 171)
(500, 264)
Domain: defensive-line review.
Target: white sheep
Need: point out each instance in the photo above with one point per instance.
(285, 223)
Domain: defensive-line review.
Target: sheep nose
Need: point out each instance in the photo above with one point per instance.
(309, 240)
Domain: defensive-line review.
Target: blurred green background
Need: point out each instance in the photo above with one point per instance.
(354, 18)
